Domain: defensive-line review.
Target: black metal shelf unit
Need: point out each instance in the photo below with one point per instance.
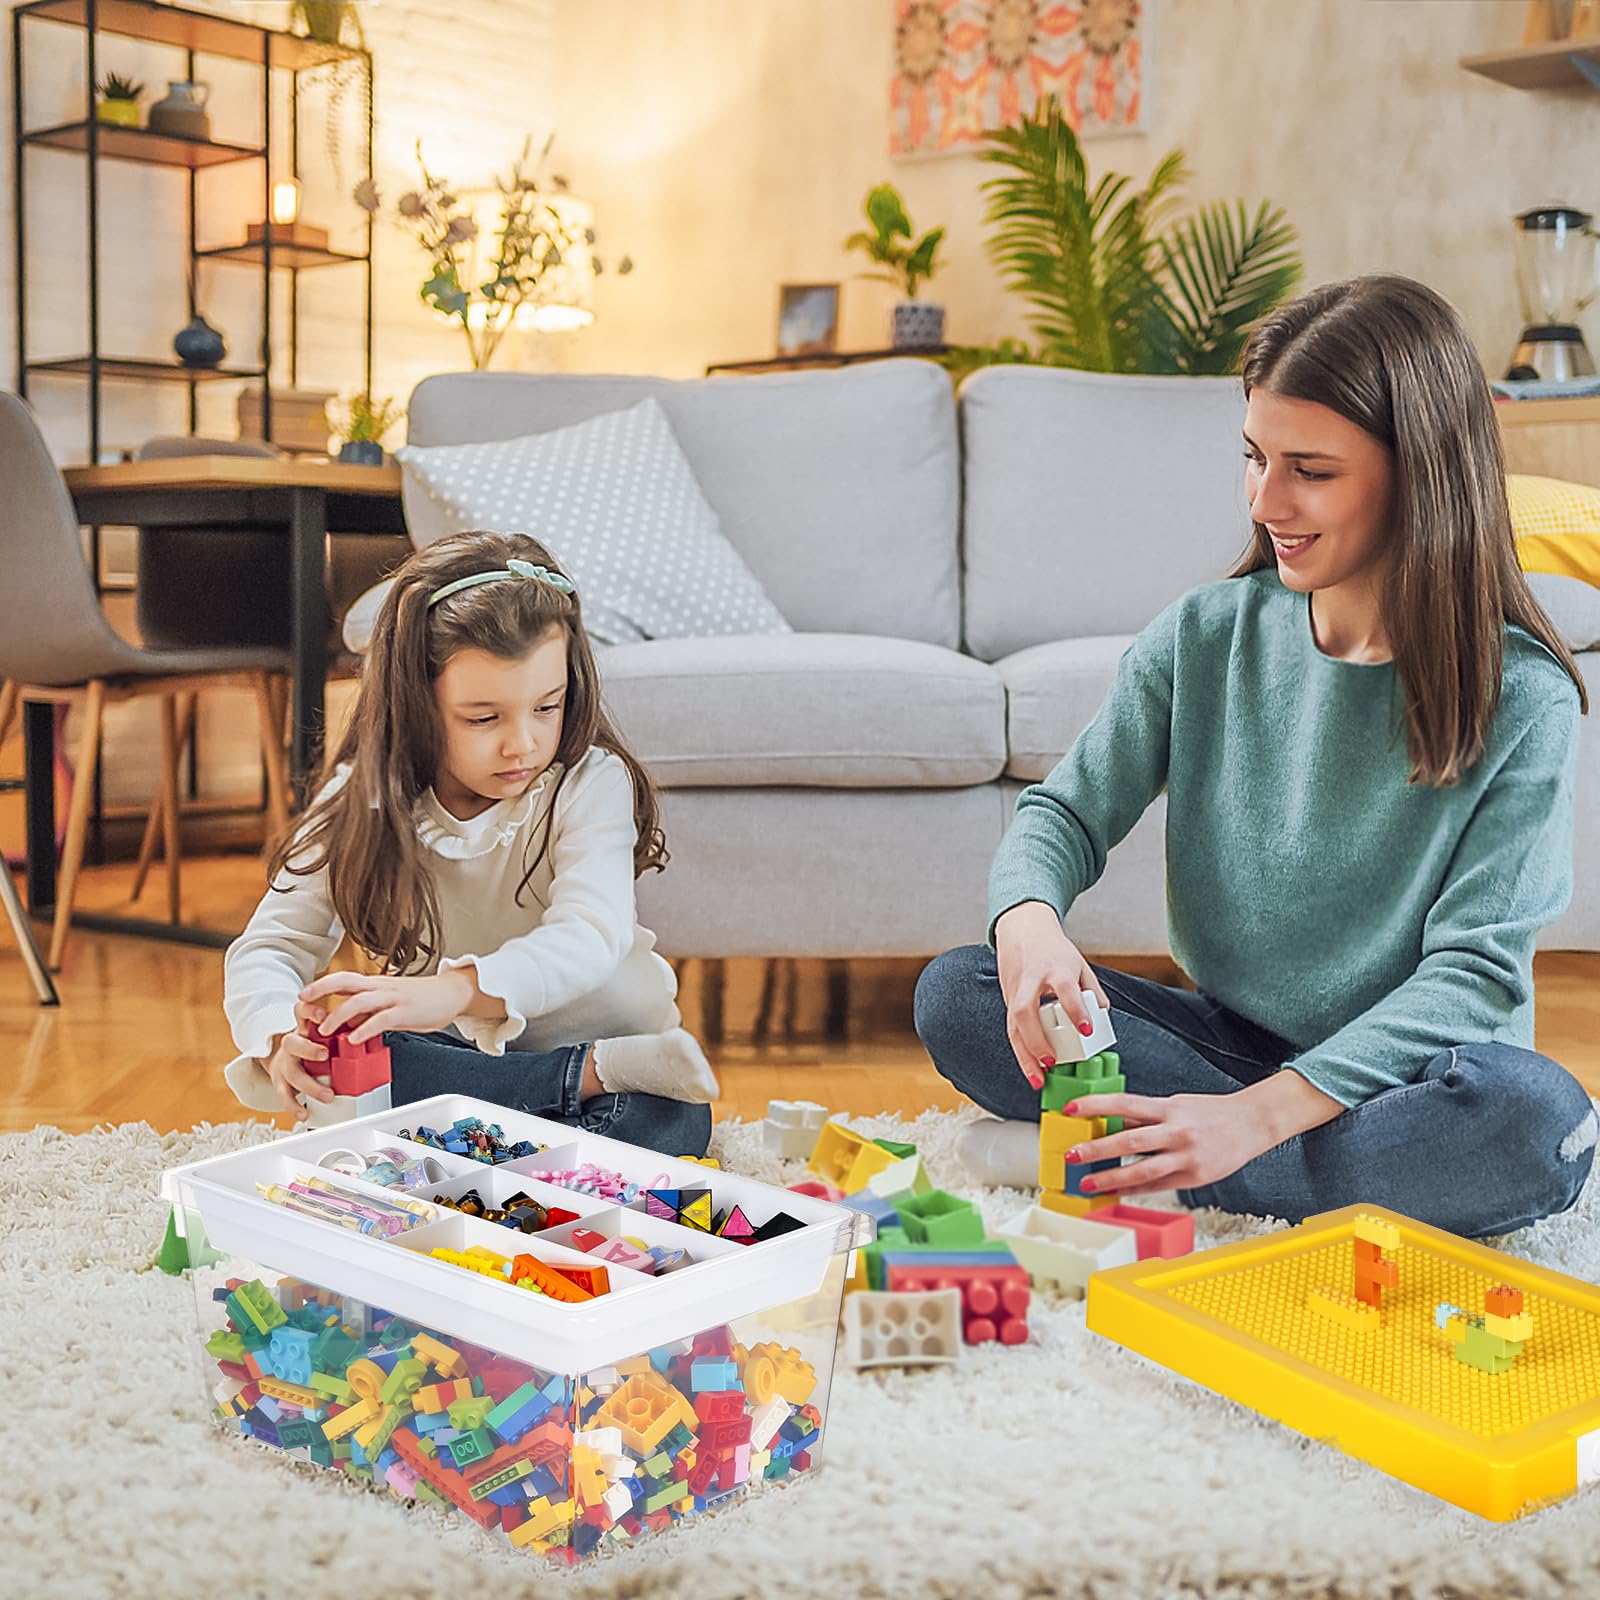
(196, 33)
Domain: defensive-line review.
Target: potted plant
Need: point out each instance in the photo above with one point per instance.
(1112, 286)
(362, 422)
(918, 324)
(119, 101)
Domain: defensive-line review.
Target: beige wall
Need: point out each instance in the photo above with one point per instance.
(728, 143)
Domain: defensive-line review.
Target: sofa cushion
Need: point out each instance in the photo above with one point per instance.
(821, 710)
(841, 490)
(615, 502)
(1093, 500)
(1572, 605)
(1052, 694)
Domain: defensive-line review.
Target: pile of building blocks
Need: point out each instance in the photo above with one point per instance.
(560, 1465)
(1086, 1066)
(1492, 1341)
(938, 1241)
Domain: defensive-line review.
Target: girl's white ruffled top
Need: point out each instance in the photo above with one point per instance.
(570, 961)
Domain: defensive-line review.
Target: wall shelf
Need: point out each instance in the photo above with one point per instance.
(143, 368)
(144, 145)
(294, 257)
(101, 146)
(198, 31)
(1562, 64)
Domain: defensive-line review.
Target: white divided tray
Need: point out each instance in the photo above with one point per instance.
(722, 1281)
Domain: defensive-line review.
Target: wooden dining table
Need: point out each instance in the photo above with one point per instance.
(303, 499)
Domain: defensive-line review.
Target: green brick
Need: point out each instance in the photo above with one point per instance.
(941, 1218)
(900, 1151)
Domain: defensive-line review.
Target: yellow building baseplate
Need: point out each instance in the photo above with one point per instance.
(1239, 1319)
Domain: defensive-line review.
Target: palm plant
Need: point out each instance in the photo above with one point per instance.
(1109, 291)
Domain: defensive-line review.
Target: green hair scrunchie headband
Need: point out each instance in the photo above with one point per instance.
(512, 569)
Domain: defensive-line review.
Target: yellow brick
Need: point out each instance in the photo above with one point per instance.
(1057, 1131)
(1075, 1205)
(1376, 1231)
(351, 1418)
(292, 1392)
(869, 1162)
(1343, 1307)
(446, 1362)
(368, 1431)
(1516, 1328)
(1052, 1169)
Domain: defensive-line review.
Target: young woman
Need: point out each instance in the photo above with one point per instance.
(480, 838)
(1367, 738)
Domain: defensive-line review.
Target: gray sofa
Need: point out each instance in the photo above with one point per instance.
(962, 576)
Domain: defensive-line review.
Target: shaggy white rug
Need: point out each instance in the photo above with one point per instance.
(1062, 1467)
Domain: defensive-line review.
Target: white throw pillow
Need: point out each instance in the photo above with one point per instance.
(617, 503)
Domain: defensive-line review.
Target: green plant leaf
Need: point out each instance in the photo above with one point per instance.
(1227, 271)
(444, 292)
(886, 211)
(919, 264)
(1106, 290)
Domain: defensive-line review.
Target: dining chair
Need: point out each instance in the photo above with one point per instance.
(57, 646)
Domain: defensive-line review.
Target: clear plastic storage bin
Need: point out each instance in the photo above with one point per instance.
(562, 1426)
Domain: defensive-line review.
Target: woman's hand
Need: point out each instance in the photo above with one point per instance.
(284, 1064)
(377, 1003)
(1185, 1141)
(1035, 958)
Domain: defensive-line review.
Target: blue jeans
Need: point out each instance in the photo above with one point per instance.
(544, 1084)
(1489, 1138)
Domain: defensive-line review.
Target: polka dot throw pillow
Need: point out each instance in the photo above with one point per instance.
(617, 503)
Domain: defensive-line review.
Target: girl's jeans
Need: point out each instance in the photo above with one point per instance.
(544, 1084)
(1489, 1138)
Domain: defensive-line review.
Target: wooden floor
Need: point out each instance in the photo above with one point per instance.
(140, 1035)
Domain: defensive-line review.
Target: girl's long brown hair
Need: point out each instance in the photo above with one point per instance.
(1393, 357)
(364, 831)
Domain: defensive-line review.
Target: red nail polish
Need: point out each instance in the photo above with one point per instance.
(1087, 1185)
(1073, 1158)
(1086, 1028)
(1070, 1111)
(1046, 1062)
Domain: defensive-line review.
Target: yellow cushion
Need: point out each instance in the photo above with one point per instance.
(1557, 526)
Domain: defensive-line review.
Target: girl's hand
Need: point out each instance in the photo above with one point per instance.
(283, 1066)
(1185, 1140)
(1035, 959)
(423, 1005)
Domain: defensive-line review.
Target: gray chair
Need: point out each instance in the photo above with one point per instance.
(43, 987)
(57, 646)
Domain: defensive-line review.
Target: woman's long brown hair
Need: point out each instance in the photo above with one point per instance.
(364, 832)
(1391, 356)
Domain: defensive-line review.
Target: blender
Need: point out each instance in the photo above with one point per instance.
(1556, 279)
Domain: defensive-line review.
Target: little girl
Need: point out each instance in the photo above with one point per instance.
(480, 838)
